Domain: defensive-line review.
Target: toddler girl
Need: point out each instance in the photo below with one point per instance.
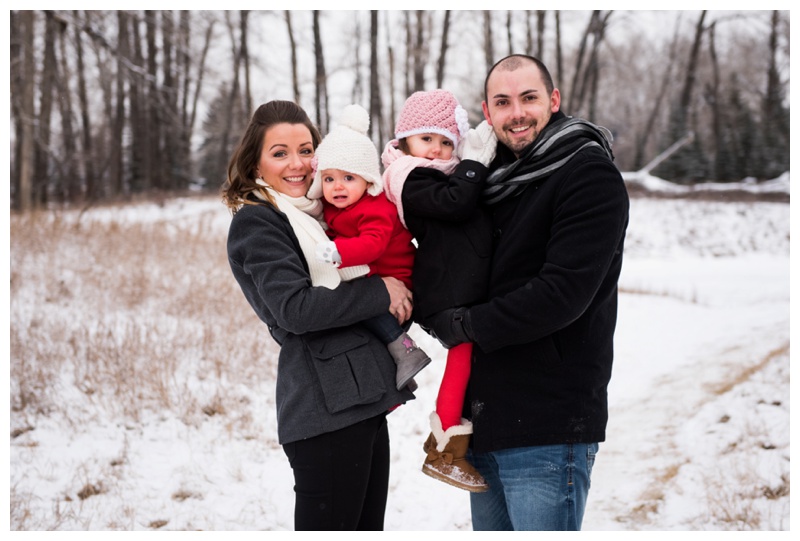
(364, 227)
(437, 197)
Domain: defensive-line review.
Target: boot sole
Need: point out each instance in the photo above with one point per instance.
(436, 475)
(403, 382)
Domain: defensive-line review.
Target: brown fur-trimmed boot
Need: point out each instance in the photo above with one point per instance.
(446, 460)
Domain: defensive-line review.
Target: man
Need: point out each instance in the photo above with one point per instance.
(544, 340)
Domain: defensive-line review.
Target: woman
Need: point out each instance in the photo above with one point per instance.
(336, 381)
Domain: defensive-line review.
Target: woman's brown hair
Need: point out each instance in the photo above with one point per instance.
(244, 161)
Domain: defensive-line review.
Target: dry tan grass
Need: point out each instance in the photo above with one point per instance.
(745, 373)
(133, 317)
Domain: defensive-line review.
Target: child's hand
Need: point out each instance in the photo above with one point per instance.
(480, 144)
(327, 252)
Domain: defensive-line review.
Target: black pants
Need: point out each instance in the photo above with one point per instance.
(342, 478)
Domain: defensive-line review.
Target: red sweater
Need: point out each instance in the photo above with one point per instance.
(369, 232)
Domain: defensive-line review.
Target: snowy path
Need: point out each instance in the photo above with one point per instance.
(708, 325)
(664, 381)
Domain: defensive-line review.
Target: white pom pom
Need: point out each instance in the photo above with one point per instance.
(356, 118)
(462, 120)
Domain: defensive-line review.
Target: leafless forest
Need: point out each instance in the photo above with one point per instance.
(112, 105)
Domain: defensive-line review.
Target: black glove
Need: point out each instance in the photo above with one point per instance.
(451, 327)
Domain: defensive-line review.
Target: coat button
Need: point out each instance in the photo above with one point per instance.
(470, 174)
(497, 232)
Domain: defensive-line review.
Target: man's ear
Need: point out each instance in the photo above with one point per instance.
(486, 112)
(555, 101)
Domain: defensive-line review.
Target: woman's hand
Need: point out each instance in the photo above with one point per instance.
(401, 302)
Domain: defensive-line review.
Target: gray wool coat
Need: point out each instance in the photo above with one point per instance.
(332, 372)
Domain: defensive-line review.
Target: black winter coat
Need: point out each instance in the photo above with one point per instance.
(332, 372)
(544, 341)
(453, 233)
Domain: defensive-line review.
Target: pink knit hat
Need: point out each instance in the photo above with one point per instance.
(435, 111)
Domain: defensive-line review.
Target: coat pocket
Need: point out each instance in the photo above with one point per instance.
(346, 368)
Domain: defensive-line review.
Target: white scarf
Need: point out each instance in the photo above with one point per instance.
(304, 216)
(398, 165)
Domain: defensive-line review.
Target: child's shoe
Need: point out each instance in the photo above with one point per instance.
(446, 460)
(409, 359)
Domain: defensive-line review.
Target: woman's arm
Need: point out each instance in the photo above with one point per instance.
(266, 262)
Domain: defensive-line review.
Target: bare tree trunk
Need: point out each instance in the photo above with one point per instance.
(17, 92)
(392, 82)
(775, 131)
(245, 52)
(376, 120)
(139, 119)
(529, 34)
(691, 69)
(321, 79)
(509, 37)
(169, 103)
(540, 24)
(644, 135)
(576, 90)
(201, 68)
(392, 106)
(183, 59)
(721, 159)
(443, 50)
(293, 48)
(15, 48)
(26, 165)
(559, 55)
(102, 50)
(488, 47)
(42, 171)
(153, 135)
(593, 69)
(70, 188)
(691, 164)
(419, 52)
(409, 52)
(234, 101)
(86, 127)
(116, 169)
(357, 90)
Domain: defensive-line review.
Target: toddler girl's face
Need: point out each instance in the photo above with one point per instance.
(430, 145)
(340, 188)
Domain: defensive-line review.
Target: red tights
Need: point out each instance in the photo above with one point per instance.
(450, 402)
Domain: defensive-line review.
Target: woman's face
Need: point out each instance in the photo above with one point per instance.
(285, 162)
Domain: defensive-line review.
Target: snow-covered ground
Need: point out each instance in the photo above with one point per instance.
(698, 437)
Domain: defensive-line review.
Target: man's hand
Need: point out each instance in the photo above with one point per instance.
(480, 144)
(451, 327)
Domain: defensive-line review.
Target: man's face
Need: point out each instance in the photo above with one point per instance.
(518, 106)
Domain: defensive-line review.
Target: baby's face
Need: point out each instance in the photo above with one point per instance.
(340, 188)
(430, 145)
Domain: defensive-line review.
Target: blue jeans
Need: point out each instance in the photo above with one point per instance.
(533, 488)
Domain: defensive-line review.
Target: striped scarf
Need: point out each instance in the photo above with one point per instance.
(556, 145)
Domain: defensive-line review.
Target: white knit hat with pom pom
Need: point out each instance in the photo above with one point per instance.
(347, 147)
